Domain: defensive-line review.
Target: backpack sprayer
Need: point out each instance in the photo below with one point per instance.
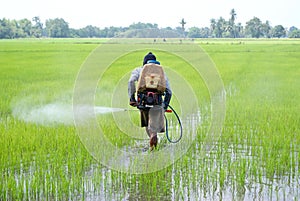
(150, 87)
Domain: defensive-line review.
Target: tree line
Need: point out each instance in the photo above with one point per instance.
(219, 28)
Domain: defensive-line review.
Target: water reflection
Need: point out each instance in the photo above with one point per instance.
(230, 171)
(224, 174)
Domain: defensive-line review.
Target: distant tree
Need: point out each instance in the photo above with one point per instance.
(231, 25)
(141, 25)
(57, 28)
(239, 30)
(179, 30)
(254, 28)
(221, 27)
(168, 28)
(233, 16)
(278, 31)
(7, 29)
(74, 33)
(218, 28)
(213, 25)
(266, 29)
(112, 31)
(292, 28)
(194, 32)
(16, 30)
(37, 28)
(149, 33)
(295, 33)
(168, 32)
(37, 21)
(183, 23)
(89, 32)
(205, 32)
(103, 33)
(26, 27)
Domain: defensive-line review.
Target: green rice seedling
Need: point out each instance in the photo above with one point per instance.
(257, 101)
(33, 74)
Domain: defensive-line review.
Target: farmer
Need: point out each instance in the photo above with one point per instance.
(152, 85)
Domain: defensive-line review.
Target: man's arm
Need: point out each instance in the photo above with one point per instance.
(168, 94)
(135, 74)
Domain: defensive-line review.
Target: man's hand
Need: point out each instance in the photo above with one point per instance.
(165, 106)
(132, 101)
(167, 99)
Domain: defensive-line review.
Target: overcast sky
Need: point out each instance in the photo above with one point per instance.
(165, 13)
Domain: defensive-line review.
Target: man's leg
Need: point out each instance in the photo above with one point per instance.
(155, 124)
(148, 131)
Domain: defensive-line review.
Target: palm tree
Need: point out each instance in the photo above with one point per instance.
(182, 22)
(221, 27)
(239, 30)
(213, 25)
(231, 22)
(232, 16)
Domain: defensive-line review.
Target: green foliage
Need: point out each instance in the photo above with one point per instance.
(57, 28)
(220, 28)
(278, 31)
(195, 32)
(254, 28)
(294, 34)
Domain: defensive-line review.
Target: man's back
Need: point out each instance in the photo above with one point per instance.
(152, 78)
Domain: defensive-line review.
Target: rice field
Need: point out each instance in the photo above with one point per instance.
(50, 152)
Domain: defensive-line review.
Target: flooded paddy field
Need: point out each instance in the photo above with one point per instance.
(241, 133)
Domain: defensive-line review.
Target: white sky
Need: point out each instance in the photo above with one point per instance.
(165, 13)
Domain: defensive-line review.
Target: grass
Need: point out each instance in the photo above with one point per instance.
(257, 155)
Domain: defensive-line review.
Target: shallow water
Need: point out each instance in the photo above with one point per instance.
(225, 173)
(190, 178)
(191, 182)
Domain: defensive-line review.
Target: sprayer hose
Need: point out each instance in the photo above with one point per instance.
(167, 133)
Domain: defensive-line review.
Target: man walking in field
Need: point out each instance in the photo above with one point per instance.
(152, 85)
